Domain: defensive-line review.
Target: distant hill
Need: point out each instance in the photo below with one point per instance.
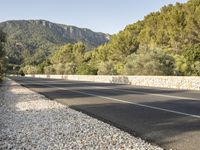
(38, 38)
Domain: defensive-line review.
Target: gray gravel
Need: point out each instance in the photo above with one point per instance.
(31, 121)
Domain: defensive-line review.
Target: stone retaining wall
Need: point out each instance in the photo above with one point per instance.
(178, 82)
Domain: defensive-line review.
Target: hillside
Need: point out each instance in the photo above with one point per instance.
(166, 42)
(36, 39)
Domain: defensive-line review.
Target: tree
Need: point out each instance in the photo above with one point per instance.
(149, 62)
(63, 55)
(192, 57)
(49, 70)
(124, 43)
(44, 64)
(70, 68)
(59, 68)
(29, 69)
(175, 30)
(181, 65)
(78, 53)
(2, 54)
(69, 53)
(106, 68)
(166, 42)
(85, 69)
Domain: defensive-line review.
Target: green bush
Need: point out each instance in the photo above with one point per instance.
(30, 69)
(2, 54)
(59, 68)
(149, 62)
(85, 69)
(70, 68)
(49, 70)
(106, 68)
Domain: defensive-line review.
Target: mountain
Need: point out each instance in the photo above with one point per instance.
(38, 38)
(166, 42)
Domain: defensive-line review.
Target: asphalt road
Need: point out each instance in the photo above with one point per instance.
(167, 117)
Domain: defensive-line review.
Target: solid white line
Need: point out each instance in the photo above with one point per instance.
(160, 95)
(146, 93)
(123, 101)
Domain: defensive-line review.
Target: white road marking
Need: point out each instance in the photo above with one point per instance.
(160, 95)
(122, 101)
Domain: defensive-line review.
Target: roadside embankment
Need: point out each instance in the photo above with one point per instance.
(31, 121)
(177, 82)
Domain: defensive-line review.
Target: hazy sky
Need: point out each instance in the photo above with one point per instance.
(108, 16)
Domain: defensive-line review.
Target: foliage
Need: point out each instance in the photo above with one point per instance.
(59, 68)
(2, 54)
(30, 69)
(69, 53)
(30, 42)
(163, 43)
(85, 69)
(106, 68)
(49, 70)
(41, 66)
(149, 62)
(175, 30)
(70, 68)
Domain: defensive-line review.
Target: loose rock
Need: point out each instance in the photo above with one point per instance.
(31, 121)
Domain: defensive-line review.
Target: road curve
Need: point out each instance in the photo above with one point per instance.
(167, 117)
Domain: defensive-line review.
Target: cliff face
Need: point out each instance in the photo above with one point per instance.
(31, 36)
(55, 33)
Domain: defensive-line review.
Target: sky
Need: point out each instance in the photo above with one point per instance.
(108, 16)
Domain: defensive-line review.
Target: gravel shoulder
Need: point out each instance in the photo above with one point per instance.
(31, 121)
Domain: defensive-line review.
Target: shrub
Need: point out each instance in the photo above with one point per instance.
(59, 68)
(70, 68)
(49, 70)
(30, 69)
(85, 69)
(106, 68)
(149, 62)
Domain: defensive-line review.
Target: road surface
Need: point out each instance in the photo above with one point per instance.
(169, 118)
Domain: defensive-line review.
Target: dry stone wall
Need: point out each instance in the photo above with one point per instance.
(178, 82)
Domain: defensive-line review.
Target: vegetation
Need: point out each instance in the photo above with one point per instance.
(2, 54)
(149, 62)
(33, 41)
(164, 43)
